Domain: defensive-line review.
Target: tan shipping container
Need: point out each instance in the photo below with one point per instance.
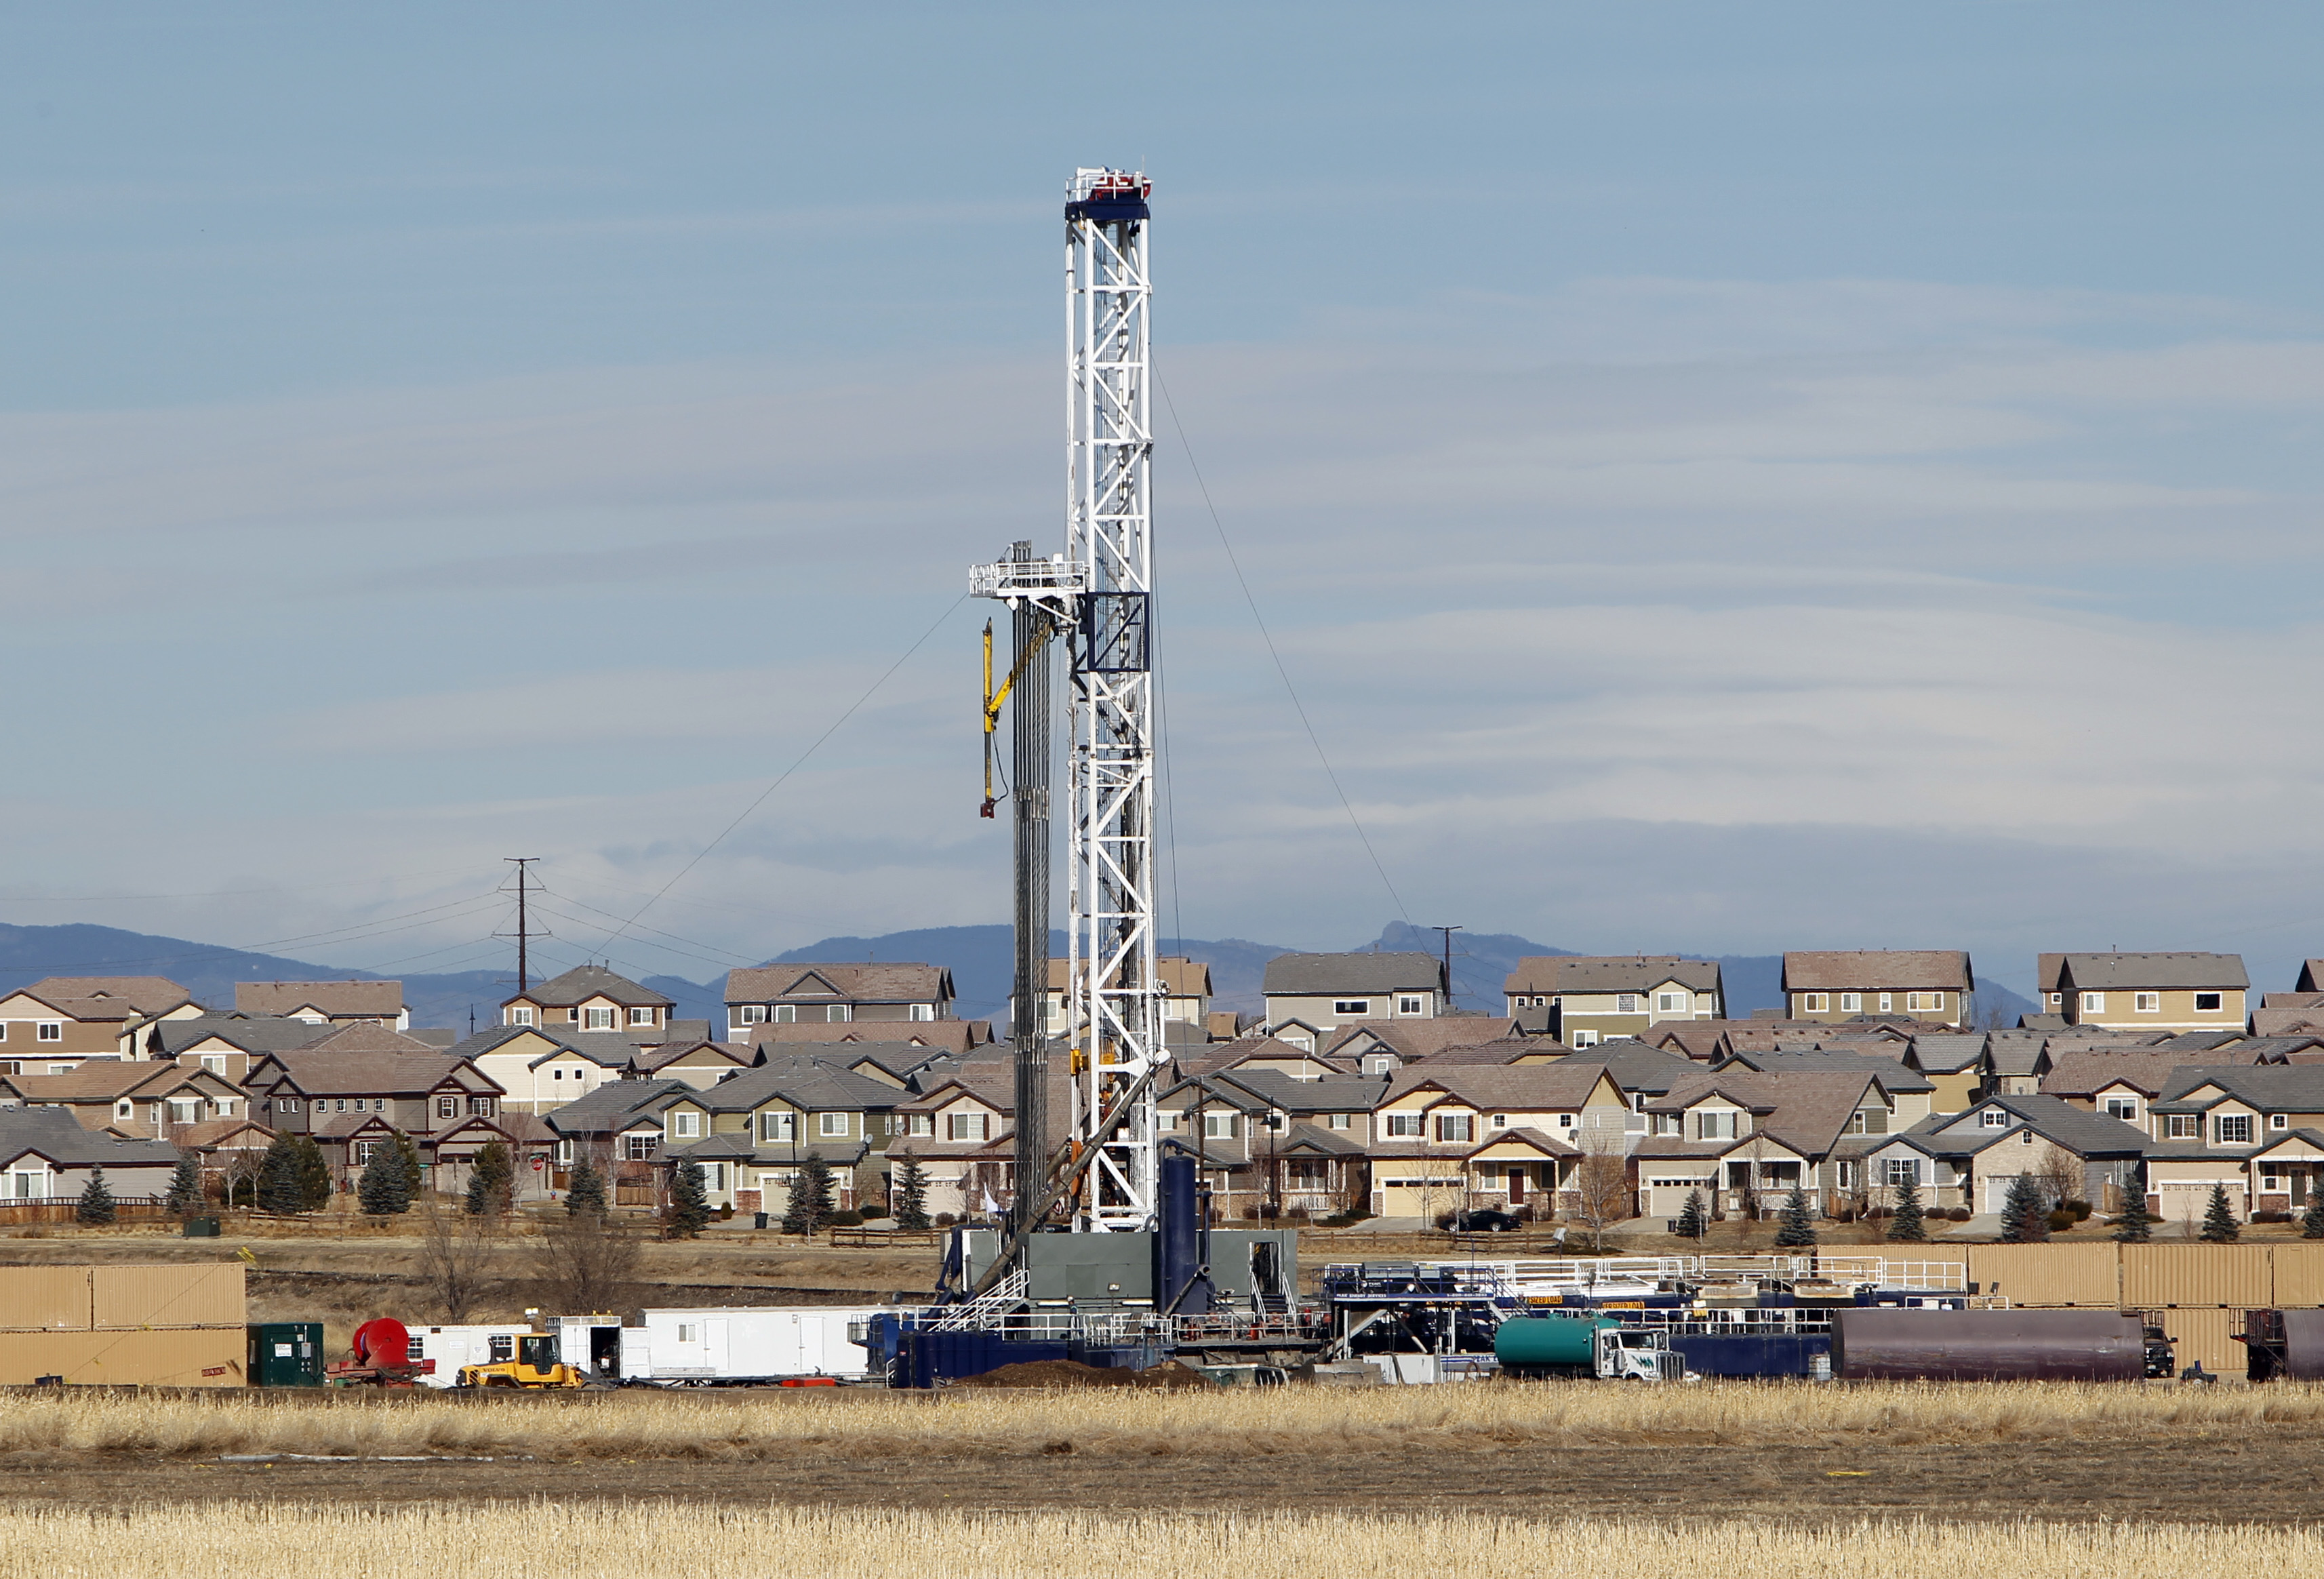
(206, 1293)
(187, 1357)
(2156, 1275)
(44, 1299)
(2204, 1334)
(2298, 1280)
(2047, 1274)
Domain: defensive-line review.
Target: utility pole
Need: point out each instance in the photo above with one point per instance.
(1448, 932)
(523, 935)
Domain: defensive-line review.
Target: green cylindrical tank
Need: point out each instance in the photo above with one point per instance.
(1548, 1340)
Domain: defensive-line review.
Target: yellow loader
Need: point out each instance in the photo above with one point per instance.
(535, 1366)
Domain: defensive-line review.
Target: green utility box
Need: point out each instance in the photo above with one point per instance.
(286, 1353)
(201, 1228)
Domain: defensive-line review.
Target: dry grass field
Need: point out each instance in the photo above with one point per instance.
(549, 1541)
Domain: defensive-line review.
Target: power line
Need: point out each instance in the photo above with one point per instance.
(1293, 691)
(793, 767)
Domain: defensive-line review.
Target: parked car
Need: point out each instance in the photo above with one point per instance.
(1484, 1220)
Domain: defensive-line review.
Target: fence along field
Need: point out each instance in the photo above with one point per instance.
(546, 1540)
(1279, 1422)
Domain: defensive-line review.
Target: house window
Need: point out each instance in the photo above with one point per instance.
(1455, 1127)
(2279, 1120)
(641, 1016)
(1220, 1126)
(483, 1107)
(565, 1154)
(637, 1147)
(1718, 1125)
(785, 1013)
(2026, 1137)
(1902, 1170)
(1407, 1005)
(831, 1124)
(364, 1150)
(2094, 1003)
(598, 1019)
(51, 1031)
(2146, 1002)
(1883, 1003)
(1669, 1002)
(685, 1124)
(1626, 1003)
(1352, 1006)
(214, 1063)
(1869, 1120)
(521, 1015)
(2209, 1002)
(286, 1105)
(1403, 1124)
(924, 1011)
(1934, 1002)
(124, 1110)
(1585, 1039)
(837, 1012)
(750, 1014)
(342, 1104)
(185, 1113)
(2124, 1108)
(921, 1124)
(2183, 1127)
(1848, 1175)
(1340, 1120)
(448, 1107)
(965, 1126)
(1814, 1003)
(1668, 1123)
(1851, 1003)
(1993, 1118)
(1500, 1121)
(778, 1126)
(1565, 1120)
(2232, 1130)
(2056, 999)
(714, 1176)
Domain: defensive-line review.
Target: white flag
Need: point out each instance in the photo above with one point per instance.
(991, 1206)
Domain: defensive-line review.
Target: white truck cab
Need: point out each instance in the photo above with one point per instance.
(1627, 1354)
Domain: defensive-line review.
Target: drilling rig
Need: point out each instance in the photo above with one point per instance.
(1093, 603)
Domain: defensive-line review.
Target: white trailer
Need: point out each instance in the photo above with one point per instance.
(748, 1344)
(595, 1343)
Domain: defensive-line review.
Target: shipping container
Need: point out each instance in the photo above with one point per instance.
(2207, 1333)
(743, 1343)
(2157, 1275)
(285, 1353)
(196, 1294)
(2296, 1276)
(44, 1300)
(2049, 1274)
(1987, 1345)
(180, 1357)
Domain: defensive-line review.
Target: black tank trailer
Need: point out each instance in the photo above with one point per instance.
(1988, 1345)
(2285, 1346)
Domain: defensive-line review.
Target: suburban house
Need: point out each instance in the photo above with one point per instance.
(1267, 1053)
(1588, 1000)
(1185, 998)
(1272, 1143)
(227, 1044)
(353, 1103)
(1746, 1138)
(2016, 1062)
(1409, 1042)
(1954, 1065)
(46, 1155)
(616, 1129)
(2258, 1130)
(960, 1038)
(750, 1131)
(1320, 993)
(327, 1002)
(2153, 992)
(1431, 1120)
(85, 1017)
(543, 1067)
(962, 1130)
(1909, 1093)
(833, 994)
(1972, 1159)
(1932, 985)
(590, 997)
(138, 1101)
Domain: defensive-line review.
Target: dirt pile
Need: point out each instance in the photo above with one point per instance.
(1169, 1376)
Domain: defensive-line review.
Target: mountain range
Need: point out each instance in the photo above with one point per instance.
(978, 956)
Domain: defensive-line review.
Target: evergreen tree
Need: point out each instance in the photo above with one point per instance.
(2135, 1224)
(185, 1189)
(584, 1195)
(384, 1188)
(1909, 1225)
(810, 1202)
(1797, 1229)
(415, 1174)
(312, 1173)
(2220, 1224)
(2311, 1221)
(490, 1177)
(2024, 1216)
(910, 1196)
(689, 1201)
(97, 1205)
(278, 1177)
(1691, 1221)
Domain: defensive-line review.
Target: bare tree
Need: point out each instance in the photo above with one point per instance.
(2061, 1175)
(1601, 1184)
(588, 1260)
(459, 1257)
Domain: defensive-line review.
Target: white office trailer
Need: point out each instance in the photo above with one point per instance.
(713, 1348)
(597, 1345)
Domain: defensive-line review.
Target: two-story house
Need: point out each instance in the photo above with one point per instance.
(834, 994)
(1434, 1133)
(327, 1002)
(1588, 1000)
(962, 1130)
(1272, 1141)
(751, 1130)
(1185, 998)
(351, 1104)
(590, 997)
(1746, 1138)
(52, 1025)
(1953, 1062)
(137, 1101)
(2153, 992)
(226, 1045)
(1309, 995)
(1932, 985)
(2258, 1130)
(616, 1129)
(1974, 1158)
(542, 1068)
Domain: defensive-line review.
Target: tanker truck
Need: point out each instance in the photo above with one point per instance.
(1587, 1345)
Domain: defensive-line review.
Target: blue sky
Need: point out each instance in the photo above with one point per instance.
(1720, 480)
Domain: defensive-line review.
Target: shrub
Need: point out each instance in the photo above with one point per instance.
(2061, 1219)
(1959, 1214)
(845, 1217)
(1297, 1213)
(2080, 1209)
(870, 1210)
(2271, 1217)
(946, 1219)
(1250, 1213)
